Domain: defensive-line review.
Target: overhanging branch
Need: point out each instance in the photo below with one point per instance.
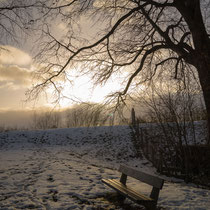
(89, 47)
(148, 52)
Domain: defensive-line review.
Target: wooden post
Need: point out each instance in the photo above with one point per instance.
(133, 117)
(160, 162)
(146, 149)
(153, 155)
(142, 137)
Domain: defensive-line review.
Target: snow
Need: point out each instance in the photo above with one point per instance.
(63, 168)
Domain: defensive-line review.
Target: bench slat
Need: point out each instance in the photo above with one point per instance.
(143, 197)
(146, 178)
(123, 190)
(127, 192)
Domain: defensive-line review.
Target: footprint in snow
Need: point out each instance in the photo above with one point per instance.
(101, 170)
(50, 178)
(53, 193)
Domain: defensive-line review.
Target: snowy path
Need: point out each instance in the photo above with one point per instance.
(50, 179)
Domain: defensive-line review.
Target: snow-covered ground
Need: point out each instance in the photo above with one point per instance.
(63, 168)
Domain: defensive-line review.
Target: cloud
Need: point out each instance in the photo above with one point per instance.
(12, 56)
(14, 77)
(15, 68)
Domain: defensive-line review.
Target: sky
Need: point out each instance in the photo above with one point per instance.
(17, 65)
(16, 76)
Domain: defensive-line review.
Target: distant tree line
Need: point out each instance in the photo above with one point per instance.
(80, 115)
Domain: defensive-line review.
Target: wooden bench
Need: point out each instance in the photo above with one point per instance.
(127, 192)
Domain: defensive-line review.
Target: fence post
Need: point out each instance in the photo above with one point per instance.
(133, 117)
(153, 155)
(160, 162)
(141, 137)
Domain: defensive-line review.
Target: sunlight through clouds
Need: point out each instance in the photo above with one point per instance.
(16, 73)
(83, 90)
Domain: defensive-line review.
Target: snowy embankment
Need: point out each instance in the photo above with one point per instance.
(62, 169)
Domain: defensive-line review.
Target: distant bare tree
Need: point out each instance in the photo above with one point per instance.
(174, 107)
(174, 110)
(46, 120)
(86, 115)
(2, 128)
(139, 37)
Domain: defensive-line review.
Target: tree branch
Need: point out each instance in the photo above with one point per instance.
(148, 52)
(90, 46)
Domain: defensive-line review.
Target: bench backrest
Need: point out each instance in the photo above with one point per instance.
(143, 177)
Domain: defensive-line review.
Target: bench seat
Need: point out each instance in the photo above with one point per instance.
(127, 191)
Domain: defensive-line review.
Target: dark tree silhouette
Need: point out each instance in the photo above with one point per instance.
(139, 36)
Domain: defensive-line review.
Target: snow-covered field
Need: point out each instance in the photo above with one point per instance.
(63, 168)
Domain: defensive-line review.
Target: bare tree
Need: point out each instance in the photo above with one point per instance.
(139, 37)
(174, 109)
(46, 120)
(87, 114)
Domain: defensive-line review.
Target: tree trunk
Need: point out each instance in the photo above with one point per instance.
(200, 57)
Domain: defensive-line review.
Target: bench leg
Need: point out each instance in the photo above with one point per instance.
(123, 180)
(154, 195)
